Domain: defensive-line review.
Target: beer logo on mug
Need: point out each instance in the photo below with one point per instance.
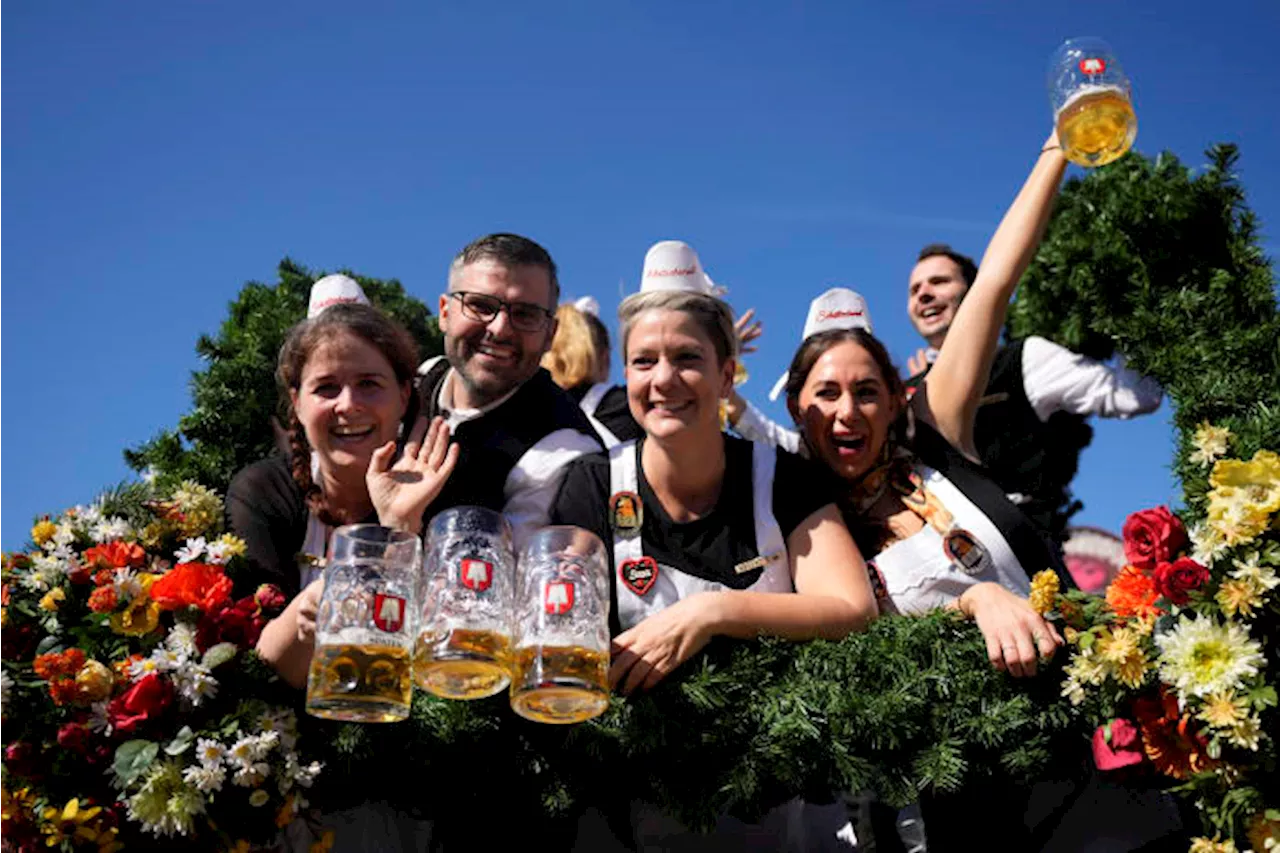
(1093, 65)
(476, 574)
(388, 612)
(557, 597)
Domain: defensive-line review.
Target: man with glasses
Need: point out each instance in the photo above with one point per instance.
(515, 427)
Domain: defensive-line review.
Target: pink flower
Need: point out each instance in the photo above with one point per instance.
(1121, 747)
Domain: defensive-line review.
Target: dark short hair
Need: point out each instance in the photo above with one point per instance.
(510, 250)
(968, 269)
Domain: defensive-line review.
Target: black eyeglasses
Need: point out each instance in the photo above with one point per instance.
(481, 307)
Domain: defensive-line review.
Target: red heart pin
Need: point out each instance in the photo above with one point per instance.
(640, 575)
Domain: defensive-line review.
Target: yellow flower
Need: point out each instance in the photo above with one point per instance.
(1210, 443)
(72, 824)
(1239, 597)
(95, 681)
(1246, 733)
(52, 599)
(142, 615)
(1212, 845)
(234, 545)
(43, 532)
(1223, 709)
(259, 798)
(1044, 590)
(197, 509)
(16, 805)
(1122, 650)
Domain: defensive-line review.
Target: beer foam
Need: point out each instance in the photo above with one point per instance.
(1089, 91)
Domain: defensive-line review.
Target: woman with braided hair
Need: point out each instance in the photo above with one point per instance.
(348, 374)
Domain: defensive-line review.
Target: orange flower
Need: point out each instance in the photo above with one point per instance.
(1133, 593)
(103, 600)
(116, 555)
(55, 664)
(64, 691)
(1168, 737)
(192, 584)
(122, 667)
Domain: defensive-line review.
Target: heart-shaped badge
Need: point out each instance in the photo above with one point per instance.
(640, 575)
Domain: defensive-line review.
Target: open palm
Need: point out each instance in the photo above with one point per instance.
(402, 492)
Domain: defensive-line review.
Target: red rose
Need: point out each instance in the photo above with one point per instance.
(74, 737)
(81, 575)
(1153, 536)
(1176, 579)
(141, 704)
(240, 623)
(269, 597)
(20, 758)
(1122, 748)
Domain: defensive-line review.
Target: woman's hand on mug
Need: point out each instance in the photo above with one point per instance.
(1016, 635)
(307, 606)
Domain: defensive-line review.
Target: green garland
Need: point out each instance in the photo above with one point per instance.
(910, 705)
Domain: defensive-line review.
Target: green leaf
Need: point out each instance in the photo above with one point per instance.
(218, 655)
(182, 742)
(1262, 696)
(133, 758)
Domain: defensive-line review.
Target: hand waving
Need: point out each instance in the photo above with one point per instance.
(747, 331)
(918, 363)
(402, 492)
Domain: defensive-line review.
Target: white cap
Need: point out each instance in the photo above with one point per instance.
(587, 305)
(673, 265)
(333, 289)
(838, 308)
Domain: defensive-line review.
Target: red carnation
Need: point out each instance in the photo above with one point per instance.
(192, 584)
(1176, 579)
(20, 757)
(140, 705)
(1120, 748)
(74, 737)
(1153, 536)
(240, 623)
(103, 600)
(116, 555)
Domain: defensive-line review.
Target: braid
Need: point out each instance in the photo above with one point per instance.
(300, 468)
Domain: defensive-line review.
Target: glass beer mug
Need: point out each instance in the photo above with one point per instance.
(1090, 96)
(464, 641)
(561, 670)
(360, 669)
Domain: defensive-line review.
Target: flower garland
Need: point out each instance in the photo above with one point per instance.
(126, 654)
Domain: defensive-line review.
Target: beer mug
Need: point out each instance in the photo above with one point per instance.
(1090, 96)
(464, 641)
(561, 670)
(360, 669)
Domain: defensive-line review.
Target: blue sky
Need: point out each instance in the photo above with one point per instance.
(157, 155)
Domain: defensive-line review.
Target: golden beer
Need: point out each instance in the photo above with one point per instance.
(1096, 126)
(468, 665)
(363, 684)
(560, 684)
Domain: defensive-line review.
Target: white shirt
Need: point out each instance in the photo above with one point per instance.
(1055, 380)
(532, 484)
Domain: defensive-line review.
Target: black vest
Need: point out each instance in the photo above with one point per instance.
(1023, 454)
(492, 444)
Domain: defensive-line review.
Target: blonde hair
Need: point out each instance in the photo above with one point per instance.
(580, 349)
(711, 314)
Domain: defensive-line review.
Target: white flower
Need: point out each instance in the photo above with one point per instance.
(167, 660)
(1246, 733)
(210, 752)
(242, 751)
(1199, 656)
(1207, 543)
(304, 775)
(109, 529)
(98, 719)
(195, 684)
(126, 585)
(6, 684)
(1210, 443)
(149, 475)
(46, 570)
(194, 548)
(140, 669)
(89, 515)
(182, 639)
(283, 722)
(63, 537)
(206, 779)
(1249, 569)
(218, 552)
(252, 774)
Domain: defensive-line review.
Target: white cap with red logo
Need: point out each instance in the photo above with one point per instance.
(333, 289)
(673, 265)
(838, 308)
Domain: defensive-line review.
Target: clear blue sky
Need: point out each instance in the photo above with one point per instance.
(157, 155)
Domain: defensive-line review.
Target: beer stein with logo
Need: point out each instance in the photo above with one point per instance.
(561, 669)
(1092, 106)
(464, 639)
(360, 669)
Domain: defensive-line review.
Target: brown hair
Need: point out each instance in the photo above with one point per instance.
(580, 349)
(711, 314)
(362, 321)
(509, 250)
(968, 269)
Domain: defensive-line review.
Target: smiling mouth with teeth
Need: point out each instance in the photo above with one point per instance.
(352, 431)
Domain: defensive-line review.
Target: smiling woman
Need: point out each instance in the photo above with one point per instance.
(711, 535)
